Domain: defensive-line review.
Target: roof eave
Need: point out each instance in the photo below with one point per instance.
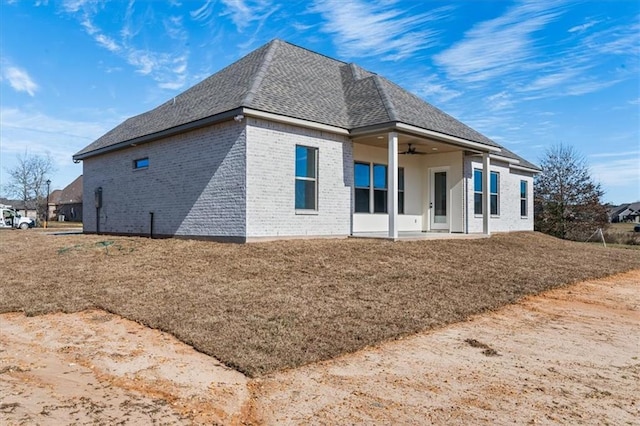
(525, 168)
(419, 131)
(193, 125)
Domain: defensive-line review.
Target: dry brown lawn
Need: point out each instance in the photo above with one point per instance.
(269, 306)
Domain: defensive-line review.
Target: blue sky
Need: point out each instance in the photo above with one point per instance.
(528, 74)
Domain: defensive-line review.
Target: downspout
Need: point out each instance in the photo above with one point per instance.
(150, 224)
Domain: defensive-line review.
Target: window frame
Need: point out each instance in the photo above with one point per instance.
(524, 199)
(313, 179)
(495, 194)
(477, 179)
(401, 190)
(367, 188)
(372, 188)
(136, 163)
(383, 191)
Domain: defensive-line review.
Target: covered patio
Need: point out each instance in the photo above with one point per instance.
(410, 183)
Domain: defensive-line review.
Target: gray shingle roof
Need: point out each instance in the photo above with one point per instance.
(288, 80)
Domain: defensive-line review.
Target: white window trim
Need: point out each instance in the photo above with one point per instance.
(525, 199)
(315, 211)
(497, 194)
(372, 188)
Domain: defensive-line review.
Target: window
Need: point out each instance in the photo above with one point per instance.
(141, 163)
(494, 183)
(306, 178)
(523, 198)
(494, 191)
(379, 188)
(376, 194)
(400, 190)
(477, 191)
(362, 173)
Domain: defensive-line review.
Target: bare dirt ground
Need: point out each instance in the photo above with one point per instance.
(569, 356)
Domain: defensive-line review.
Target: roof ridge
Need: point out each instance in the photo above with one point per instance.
(386, 99)
(310, 51)
(262, 72)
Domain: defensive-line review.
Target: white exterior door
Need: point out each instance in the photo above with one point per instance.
(439, 198)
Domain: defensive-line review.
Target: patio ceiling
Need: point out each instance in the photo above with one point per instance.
(421, 145)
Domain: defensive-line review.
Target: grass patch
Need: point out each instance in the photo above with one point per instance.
(268, 306)
(54, 224)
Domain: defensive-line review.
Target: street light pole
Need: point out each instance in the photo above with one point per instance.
(46, 210)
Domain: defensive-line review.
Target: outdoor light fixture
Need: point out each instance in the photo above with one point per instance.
(46, 210)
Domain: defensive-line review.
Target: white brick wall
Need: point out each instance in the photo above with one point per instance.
(237, 180)
(194, 185)
(509, 218)
(271, 181)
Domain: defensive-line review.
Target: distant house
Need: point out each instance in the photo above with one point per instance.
(625, 213)
(68, 202)
(287, 142)
(53, 203)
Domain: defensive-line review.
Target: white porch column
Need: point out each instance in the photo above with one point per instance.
(392, 189)
(486, 193)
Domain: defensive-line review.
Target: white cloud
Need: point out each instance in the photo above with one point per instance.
(37, 133)
(619, 172)
(73, 5)
(168, 68)
(552, 80)
(32, 131)
(582, 28)
(589, 86)
(435, 92)
(616, 154)
(243, 13)
(174, 28)
(619, 40)
(107, 42)
(499, 46)
(501, 100)
(301, 27)
(19, 79)
(365, 29)
(204, 12)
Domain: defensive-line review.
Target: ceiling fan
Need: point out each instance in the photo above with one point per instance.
(411, 150)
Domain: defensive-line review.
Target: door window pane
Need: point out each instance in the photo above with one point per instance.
(440, 197)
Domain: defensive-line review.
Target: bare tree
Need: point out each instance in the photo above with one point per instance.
(567, 200)
(28, 179)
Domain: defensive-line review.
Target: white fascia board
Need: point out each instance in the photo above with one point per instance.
(447, 138)
(504, 159)
(524, 169)
(294, 121)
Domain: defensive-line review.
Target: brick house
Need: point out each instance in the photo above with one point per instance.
(66, 205)
(286, 142)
